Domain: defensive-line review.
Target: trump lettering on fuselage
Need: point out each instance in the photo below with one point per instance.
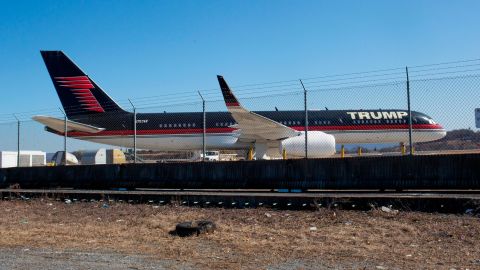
(377, 115)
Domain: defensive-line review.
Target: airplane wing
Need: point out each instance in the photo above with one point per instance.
(59, 124)
(253, 126)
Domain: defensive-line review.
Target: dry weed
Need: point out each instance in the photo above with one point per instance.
(247, 238)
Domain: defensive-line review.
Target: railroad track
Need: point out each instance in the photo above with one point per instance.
(447, 201)
(465, 194)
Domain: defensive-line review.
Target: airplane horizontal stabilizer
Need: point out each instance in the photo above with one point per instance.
(59, 124)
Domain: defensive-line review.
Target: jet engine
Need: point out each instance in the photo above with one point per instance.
(320, 144)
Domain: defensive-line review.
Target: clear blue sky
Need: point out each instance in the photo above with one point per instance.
(144, 48)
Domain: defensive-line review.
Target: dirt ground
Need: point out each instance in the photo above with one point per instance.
(245, 238)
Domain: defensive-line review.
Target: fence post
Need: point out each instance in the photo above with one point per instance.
(305, 167)
(306, 119)
(134, 132)
(204, 126)
(409, 115)
(65, 135)
(18, 140)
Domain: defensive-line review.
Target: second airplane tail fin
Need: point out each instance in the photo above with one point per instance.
(230, 99)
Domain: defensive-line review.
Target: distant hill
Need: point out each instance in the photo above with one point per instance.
(459, 139)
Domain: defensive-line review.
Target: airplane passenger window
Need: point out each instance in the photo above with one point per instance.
(193, 124)
(216, 124)
(160, 125)
(169, 125)
(189, 125)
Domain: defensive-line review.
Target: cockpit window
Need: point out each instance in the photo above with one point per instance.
(428, 120)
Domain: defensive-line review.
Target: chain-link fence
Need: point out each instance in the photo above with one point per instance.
(357, 114)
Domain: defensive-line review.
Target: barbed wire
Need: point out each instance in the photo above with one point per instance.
(246, 91)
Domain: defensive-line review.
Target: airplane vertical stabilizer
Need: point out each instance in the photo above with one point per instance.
(79, 94)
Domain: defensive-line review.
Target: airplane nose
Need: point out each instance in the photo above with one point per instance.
(441, 131)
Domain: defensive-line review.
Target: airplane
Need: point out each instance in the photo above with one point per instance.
(94, 116)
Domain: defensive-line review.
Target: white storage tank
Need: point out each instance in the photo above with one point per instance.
(59, 159)
(8, 159)
(94, 157)
(102, 156)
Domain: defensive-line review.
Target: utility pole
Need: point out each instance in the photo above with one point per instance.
(409, 115)
(134, 132)
(65, 135)
(204, 125)
(18, 140)
(306, 119)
